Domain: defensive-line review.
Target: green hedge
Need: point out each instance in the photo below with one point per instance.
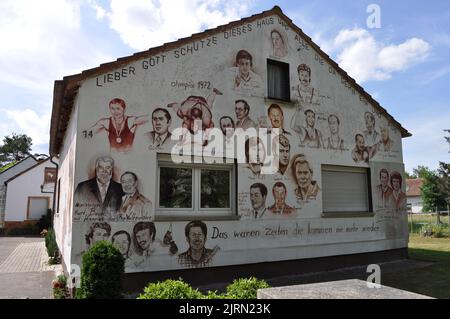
(178, 289)
(170, 289)
(102, 272)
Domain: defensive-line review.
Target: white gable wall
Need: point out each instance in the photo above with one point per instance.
(21, 188)
(195, 69)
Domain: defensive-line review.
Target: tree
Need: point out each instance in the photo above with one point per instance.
(447, 138)
(418, 172)
(434, 199)
(15, 148)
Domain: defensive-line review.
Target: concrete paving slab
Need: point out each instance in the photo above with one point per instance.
(343, 289)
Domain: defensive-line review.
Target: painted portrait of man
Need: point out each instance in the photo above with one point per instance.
(135, 206)
(242, 110)
(302, 172)
(371, 136)
(384, 190)
(245, 79)
(280, 208)
(276, 116)
(258, 196)
(97, 232)
(161, 121)
(101, 192)
(197, 254)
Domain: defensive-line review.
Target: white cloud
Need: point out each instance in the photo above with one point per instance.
(427, 146)
(34, 125)
(365, 59)
(142, 24)
(42, 42)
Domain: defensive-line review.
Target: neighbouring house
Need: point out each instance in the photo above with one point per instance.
(146, 152)
(8, 173)
(29, 194)
(414, 195)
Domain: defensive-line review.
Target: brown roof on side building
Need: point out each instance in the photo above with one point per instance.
(65, 91)
(413, 187)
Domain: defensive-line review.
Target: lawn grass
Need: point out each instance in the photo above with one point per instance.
(434, 280)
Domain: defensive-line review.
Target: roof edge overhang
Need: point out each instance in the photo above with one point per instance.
(65, 90)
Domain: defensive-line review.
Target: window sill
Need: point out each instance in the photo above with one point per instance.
(347, 214)
(184, 218)
(275, 100)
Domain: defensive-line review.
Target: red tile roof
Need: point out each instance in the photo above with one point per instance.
(413, 186)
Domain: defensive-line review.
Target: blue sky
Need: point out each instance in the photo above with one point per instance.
(404, 64)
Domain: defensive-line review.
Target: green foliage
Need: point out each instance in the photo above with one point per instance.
(420, 171)
(435, 230)
(102, 272)
(245, 288)
(178, 289)
(170, 289)
(432, 195)
(60, 287)
(50, 244)
(46, 220)
(15, 148)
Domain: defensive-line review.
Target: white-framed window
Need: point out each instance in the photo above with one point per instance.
(345, 189)
(195, 190)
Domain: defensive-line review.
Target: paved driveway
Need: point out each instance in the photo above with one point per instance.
(23, 269)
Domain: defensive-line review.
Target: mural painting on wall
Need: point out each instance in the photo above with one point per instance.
(302, 174)
(242, 111)
(244, 79)
(389, 192)
(284, 152)
(276, 117)
(103, 199)
(279, 44)
(255, 155)
(160, 135)
(195, 110)
(116, 206)
(197, 255)
(280, 207)
(120, 127)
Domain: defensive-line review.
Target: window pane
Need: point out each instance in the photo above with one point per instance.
(215, 189)
(278, 80)
(345, 191)
(175, 187)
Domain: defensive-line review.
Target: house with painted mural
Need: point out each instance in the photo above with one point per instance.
(241, 150)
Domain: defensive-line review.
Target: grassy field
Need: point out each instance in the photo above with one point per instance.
(433, 281)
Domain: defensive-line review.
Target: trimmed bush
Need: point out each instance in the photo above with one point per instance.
(170, 289)
(50, 244)
(46, 221)
(102, 272)
(245, 288)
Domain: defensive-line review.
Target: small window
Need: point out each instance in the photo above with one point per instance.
(345, 189)
(278, 86)
(195, 190)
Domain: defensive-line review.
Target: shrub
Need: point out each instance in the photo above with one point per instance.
(60, 287)
(46, 221)
(170, 289)
(435, 230)
(102, 272)
(50, 244)
(440, 231)
(245, 288)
